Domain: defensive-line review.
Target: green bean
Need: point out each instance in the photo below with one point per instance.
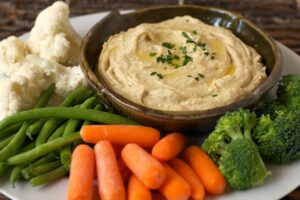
(5, 141)
(4, 168)
(66, 112)
(44, 98)
(43, 149)
(15, 174)
(49, 177)
(51, 124)
(10, 130)
(44, 168)
(27, 172)
(34, 128)
(15, 143)
(87, 94)
(65, 153)
(58, 132)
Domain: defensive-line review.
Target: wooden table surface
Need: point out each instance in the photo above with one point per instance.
(279, 18)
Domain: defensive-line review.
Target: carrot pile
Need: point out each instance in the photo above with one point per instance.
(133, 163)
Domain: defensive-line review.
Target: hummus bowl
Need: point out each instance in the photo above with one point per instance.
(186, 118)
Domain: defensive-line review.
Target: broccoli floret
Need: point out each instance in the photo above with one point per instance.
(278, 136)
(268, 109)
(230, 145)
(241, 164)
(288, 91)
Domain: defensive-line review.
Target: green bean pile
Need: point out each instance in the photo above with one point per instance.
(37, 144)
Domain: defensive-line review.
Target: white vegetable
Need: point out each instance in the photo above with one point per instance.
(53, 37)
(23, 77)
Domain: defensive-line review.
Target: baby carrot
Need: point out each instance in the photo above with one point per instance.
(174, 187)
(120, 134)
(169, 147)
(110, 184)
(146, 168)
(186, 172)
(118, 150)
(81, 173)
(205, 168)
(124, 171)
(137, 190)
(157, 195)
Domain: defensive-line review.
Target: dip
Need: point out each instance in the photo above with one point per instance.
(180, 64)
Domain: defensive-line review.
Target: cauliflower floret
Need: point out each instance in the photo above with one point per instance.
(12, 50)
(10, 101)
(53, 36)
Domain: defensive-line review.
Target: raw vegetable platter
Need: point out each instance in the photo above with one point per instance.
(284, 179)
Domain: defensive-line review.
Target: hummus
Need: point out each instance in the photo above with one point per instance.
(180, 64)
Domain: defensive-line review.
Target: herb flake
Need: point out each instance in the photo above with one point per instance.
(168, 45)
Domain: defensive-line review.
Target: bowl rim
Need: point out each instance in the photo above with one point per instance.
(247, 101)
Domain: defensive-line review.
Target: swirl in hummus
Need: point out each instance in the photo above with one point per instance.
(180, 64)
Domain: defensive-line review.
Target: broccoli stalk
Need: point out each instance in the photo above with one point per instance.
(231, 147)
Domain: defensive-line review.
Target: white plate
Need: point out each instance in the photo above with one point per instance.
(284, 178)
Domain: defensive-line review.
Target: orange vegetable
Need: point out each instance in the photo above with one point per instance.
(186, 172)
(157, 195)
(143, 166)
(118, 150)
(124, 171)
(81, 173)
(137, 190)
(206, 169)
(120, 134)
(169, 147)
(175, 187)
(110, 183)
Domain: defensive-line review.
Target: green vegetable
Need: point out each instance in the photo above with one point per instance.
(27, 172)
(67, 113)
(51, 124)
(288, 91)
(278, 131)
(10, 130)
(34, 128)
(43, 149)
(278, 136)
(5, 141)
(15, 143)
(4, 168)
(15, 175)
(58, 132)
(45, 168)
(230, 145)
(49, 177)
(44, 98)
(65, 153)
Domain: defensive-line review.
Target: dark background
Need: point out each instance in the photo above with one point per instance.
(279, 18)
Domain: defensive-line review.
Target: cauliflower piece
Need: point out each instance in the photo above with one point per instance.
(53, 36)
(12, 50)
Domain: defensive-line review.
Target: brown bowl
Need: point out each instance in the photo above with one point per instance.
(185, 121)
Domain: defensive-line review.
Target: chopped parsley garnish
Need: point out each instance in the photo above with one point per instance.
(183, 49)
(206, 52)
(152, 54)
(187, 59)
(194, 32)
(214, 95)
(168, 45)
(200, 75)
(161, 59)
(160, 76)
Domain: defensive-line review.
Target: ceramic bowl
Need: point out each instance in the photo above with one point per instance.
(185, 121)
